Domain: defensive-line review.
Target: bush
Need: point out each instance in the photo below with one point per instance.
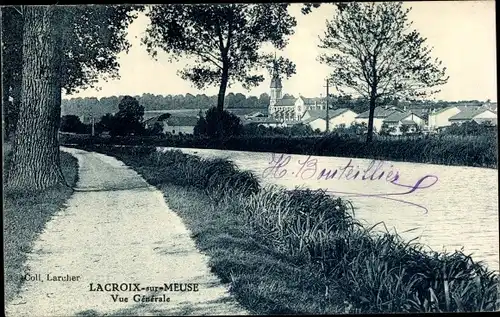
(72, 123)
(471, 128)
(216, 124)
(127, 121)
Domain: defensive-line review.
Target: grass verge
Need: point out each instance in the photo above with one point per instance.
(25, 216)
(302, 251)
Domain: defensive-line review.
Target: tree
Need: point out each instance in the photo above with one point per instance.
(12, 50)
(128, 119)
(225, 40)
(106, 123)
(92, 36)
(63, 47)
(35, 158)
(71, 123)
(209, 125)
(375, 54)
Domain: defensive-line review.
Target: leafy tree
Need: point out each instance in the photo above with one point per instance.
(223, 38)
(264, 100)
(63, 47)
(71, 123)
(375, 56)
(106, 123)
(218, 124)
(128, 119)
(91, 38)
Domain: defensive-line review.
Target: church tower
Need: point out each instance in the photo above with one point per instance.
(275, 88)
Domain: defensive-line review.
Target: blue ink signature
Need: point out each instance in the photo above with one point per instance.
(308, 169)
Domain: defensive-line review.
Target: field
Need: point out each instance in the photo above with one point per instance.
(303, 251)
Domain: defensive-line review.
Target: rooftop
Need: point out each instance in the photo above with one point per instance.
(468, 114)
(380, 112)
(315, 114)
(173, 120)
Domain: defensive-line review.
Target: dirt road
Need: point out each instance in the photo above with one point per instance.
(117, 229)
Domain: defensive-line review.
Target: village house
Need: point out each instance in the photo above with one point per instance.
(409, 121)
(316, 119)
(173, 124)
(440, 119)
(379, 115)
(478, 114)
(262, 121)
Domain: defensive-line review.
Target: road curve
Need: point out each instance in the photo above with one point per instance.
(116, 228)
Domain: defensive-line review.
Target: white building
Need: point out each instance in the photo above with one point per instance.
(479, 115)
(379, 115)
(440, 119)
(173, 124)
(290, 109)
(406, 120)
(316, 119)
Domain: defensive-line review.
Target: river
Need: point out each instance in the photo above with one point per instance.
(454, 207)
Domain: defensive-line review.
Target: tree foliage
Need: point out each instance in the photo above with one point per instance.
(375, 54)
(98, 107)
(92, 36)
(216, 124)
(71, 123)
(223, 39)
(128, 119)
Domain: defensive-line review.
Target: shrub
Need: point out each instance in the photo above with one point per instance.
(71, 123)
(218, 124)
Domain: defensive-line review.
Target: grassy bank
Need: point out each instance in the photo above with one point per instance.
(480, 151)
(302, 251)
(25, 216)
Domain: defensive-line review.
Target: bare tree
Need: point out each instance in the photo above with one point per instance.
(374, 53)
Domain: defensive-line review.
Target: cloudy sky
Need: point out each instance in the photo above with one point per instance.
(461, 32)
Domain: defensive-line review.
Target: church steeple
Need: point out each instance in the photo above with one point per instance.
(276, 80)
(275, 84)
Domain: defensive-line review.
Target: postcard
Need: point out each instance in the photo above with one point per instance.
(250, 158)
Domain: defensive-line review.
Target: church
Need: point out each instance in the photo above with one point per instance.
(290, 109)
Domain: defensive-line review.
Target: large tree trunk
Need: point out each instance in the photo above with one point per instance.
(220, 100)
(369, 135)
(35, 163)
(12, 42)
(222, 87)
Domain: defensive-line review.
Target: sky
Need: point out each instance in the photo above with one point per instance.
(462, 34)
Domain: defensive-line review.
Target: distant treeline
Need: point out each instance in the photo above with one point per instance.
(99, 107)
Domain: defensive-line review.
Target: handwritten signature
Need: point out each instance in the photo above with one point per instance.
(308, 169)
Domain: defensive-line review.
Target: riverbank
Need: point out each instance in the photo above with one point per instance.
(478, 151)
(303, 251)
(25, 216)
